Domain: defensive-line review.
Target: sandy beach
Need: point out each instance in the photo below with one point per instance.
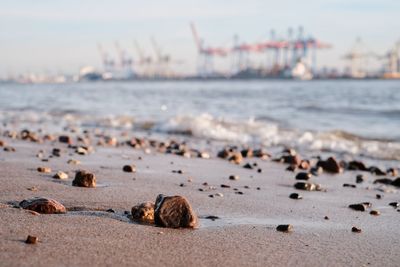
(243, 235)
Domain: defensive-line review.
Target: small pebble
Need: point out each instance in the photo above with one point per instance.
(375, 212)
(356, 229)
(394, 204)
(234, 177)
(303, 176)
(295, 196)
(110, 210)
(285, 228)
(60, 175)
(359, 179)
(378, 196)
(129, 168)
(44, 169)
(326, 218)
(32, 239)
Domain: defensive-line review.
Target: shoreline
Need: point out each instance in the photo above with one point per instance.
(244, 234)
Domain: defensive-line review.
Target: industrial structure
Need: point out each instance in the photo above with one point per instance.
(291, 57)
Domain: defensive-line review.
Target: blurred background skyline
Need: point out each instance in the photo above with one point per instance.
(63, 36)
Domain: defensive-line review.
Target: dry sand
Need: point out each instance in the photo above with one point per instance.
(244, 236)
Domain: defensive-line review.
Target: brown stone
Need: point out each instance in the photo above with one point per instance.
(32, 239)
(174, 212)
(2, 143)
(60, 175)
(374, 212)
(236, 158)
(84, 179)
(73, 162)
(42, 205)
(330, 165)
(143, 212)
(129, 168)
(44, 169)
(304, 165)
(291, 159)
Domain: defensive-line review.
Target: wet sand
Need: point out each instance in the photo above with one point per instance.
(245, 234)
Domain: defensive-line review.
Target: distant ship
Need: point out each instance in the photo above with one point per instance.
(300, 71)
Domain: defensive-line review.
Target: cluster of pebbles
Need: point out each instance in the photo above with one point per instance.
(175, 211)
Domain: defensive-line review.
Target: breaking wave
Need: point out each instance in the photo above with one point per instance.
(270, 134)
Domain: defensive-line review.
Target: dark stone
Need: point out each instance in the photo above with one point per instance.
(110, 210)
(316, 171)
(307, 186)
(383, 181)
(349, 185)
(259, 170)
(239, 192)
(223, 153)
(247, 166)
(65, 139)
(129, 168)
(356, 229)
(330, 165)
(394, 204)
(326, 218)
(359, 179)
(234, 177)
(225, 186)
(295, 196)
(174, 212)
(143, 212)
(356, 166)
(260, 153)
(247, 153)
(392, 172)
(359, 207)
(43, 205)
(56, 152)
(291, 159)
(212, 217)
(84, 179)
(291, 168)
(378, 196)
(376, 171)
(374, 212)
(396, 182)
(9, 149)
(285, 228)
(32, 239)
(303, 176)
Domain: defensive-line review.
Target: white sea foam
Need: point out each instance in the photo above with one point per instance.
(270, 134)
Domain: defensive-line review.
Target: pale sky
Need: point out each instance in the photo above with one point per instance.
(62, 35)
